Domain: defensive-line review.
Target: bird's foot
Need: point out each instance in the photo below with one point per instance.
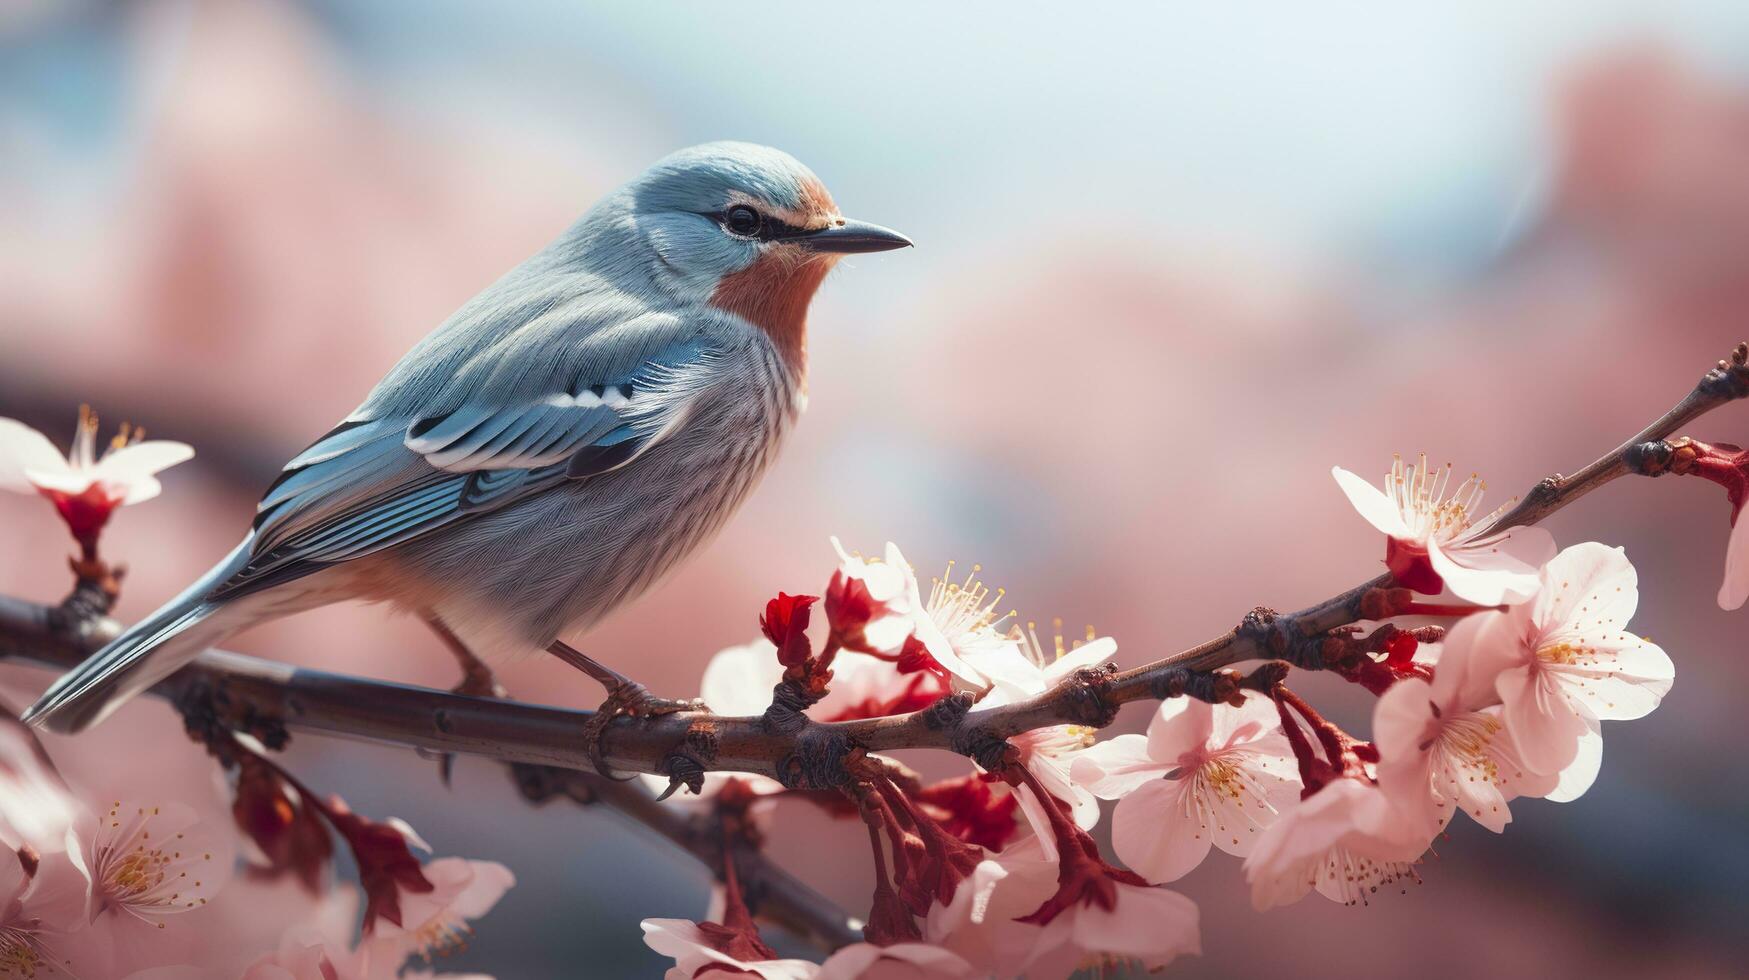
(477, 681)
(481, 684)
(627, 699)
(474, 684)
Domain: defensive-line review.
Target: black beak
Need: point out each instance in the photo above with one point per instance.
(852, 236)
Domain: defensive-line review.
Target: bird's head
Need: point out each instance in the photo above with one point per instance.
(747, 229)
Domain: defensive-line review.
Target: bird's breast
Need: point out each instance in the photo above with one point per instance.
(773, 294)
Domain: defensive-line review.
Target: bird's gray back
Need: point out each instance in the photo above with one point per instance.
(559, 560)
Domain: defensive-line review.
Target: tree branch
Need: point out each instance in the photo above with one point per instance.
(541, 742)
(244, 692)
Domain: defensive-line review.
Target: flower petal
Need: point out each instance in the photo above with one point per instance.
(68, 481)
(1621, 684)
(1589, 587)
(23, 449)
(1374, 506)
(1153, 925)
(1180, 726)
(738, 680)
(1544, 723)
(1483, 576)
(142, 459)
(1114, 768)
(1158, 830)
(1734, 590)
(1256, 789)
(1089, 654)
(1582, 771)
(1254, 718)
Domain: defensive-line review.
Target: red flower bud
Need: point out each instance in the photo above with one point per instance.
(849, 607)
(785, 624)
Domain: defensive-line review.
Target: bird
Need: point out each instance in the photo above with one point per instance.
(552, 449)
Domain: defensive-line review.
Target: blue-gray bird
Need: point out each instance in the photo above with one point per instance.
(553, 448)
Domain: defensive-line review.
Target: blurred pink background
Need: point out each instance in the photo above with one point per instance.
(1171, 267)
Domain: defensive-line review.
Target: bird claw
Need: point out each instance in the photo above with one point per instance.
(628, 699)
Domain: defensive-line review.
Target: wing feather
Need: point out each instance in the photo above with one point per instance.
(374, 482)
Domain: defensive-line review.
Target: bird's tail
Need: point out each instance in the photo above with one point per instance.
(145, 653)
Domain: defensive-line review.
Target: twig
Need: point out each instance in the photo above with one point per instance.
(773, 893)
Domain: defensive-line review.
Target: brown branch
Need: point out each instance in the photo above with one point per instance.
(774, 894)
(245, 688)
(244, 692)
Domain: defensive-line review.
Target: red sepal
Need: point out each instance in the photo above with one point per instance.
(1411, 568)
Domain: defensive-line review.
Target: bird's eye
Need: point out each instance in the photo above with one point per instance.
(744, 221)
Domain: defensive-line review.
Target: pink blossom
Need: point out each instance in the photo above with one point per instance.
(695, 955)
(147, 864)
(866, 961)
(1445, 746)
(1565, 660)
(1025, 669)
(35, 807)
(869, 687)
(84, 487)
(435, 922)
(953, 623)
(1345, 840)
(1204, 774)
(872, 602)
(1439, 540)
(42, 915)
(1734, 590)
(305, 954)
(693, 951)
(1145, 925)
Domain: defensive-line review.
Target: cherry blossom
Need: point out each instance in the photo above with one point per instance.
(1440, 752)
(1024, 669)
(877, 607)
(42, 910)
(1127, 923)
(149, 862)
(869, 687)
(85, 489)
(1204, 774)
(305, 954)
(1445, 746)
(1734, 590)
(435, 922)
(1345, 841)
(1565, 661)
(866, 961)
(35, 807)
(693, 950)
(1437, 538)
(696, 954)
(871, 603)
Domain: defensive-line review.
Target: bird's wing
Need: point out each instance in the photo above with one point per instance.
(374, 482)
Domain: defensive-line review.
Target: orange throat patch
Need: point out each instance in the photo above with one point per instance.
(773, 294)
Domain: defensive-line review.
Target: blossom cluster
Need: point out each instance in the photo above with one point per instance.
(173, 885)
(1494, 657)
(1506, 702)
(108, 870)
